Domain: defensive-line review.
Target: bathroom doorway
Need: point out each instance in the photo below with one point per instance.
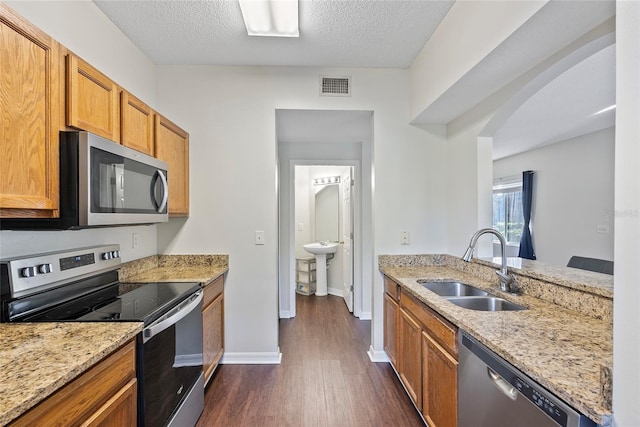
(331, 143)
(324, 213)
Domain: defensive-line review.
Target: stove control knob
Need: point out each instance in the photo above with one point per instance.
(106, 256)
(45, 268)
(115, 254)
(28, 272)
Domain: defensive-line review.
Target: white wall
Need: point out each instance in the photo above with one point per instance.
(303, 210)
(230, 113)
(450, 53)
(84, 29)
(573, 194)
(626, 316)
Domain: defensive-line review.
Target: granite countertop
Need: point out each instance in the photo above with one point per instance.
(200, 274)
(175, 268)
(559, 348)
(36, 359)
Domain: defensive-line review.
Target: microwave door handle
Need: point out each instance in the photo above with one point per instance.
(177, 314)
(165, 191)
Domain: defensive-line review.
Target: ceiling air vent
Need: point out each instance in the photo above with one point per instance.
(335, 86)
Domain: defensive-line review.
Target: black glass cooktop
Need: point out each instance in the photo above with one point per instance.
(120, 302)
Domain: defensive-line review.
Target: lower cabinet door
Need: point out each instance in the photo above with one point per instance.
(391, 311)
(213, 335)
(440, 381)
(120, 410)
(410, 357)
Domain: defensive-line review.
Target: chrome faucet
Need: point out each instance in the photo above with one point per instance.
(506, 281)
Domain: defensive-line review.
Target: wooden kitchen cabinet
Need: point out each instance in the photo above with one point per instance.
(105, 395)
(440, 384)
(92, 100)
(212, 326)
(136, 124)
(172, 146)
(391, 314)
(410, 356)
(29, 123)
(427, 357)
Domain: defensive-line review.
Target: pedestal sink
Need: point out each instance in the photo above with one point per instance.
(320, 250)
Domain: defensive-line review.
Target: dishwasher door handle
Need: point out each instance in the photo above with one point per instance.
(502, 385)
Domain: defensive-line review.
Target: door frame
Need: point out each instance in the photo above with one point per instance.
(357, 235)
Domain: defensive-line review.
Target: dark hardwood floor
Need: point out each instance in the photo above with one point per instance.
(325, 378)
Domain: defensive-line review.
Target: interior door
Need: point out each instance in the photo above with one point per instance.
(347, 238)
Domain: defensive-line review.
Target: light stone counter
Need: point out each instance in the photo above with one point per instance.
(36, 359)
(559, 348)
(175, 268)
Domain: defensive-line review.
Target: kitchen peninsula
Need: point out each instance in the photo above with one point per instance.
(563, 340)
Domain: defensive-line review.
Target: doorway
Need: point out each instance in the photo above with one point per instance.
(336, 139)
(324, 212)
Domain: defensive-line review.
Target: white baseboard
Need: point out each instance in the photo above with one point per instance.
(252, 358)
(377, 356)
(335, 292)
(365, 315)
(285, 314)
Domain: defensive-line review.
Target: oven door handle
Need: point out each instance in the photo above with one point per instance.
(172, 317)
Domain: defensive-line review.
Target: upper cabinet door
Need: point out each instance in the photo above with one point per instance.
(136, 124)
(29, 118)
(92, 100)
(172, 146)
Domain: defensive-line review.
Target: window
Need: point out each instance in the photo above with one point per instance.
(507, 209)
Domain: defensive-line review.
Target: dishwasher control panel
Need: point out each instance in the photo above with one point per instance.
(540, 400)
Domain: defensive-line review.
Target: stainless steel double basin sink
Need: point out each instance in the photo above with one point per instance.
(470, 297)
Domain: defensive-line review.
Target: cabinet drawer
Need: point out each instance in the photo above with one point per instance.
(392, 288)
(80, 399)
(212, 290)
(439, 328)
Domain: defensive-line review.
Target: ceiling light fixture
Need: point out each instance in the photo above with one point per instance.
(273, 18)
(604, 110)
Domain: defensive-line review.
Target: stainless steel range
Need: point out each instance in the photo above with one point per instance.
(82, 285)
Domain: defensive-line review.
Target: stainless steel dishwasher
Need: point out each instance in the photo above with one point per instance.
(492, 393)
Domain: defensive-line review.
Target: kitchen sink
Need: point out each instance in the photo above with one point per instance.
(452, 289)
(486, 303)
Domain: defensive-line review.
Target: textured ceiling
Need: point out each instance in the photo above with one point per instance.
(389, 33)
(333, 33)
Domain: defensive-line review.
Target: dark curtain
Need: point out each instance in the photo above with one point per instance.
(526, 245)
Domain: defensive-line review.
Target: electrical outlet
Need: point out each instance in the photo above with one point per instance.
(135, 240)
(603, 228)
(300, 226)
(404, 237)
(259, 237)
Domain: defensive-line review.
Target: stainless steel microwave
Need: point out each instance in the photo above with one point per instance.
(103, 183)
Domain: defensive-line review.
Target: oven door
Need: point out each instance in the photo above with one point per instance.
(170, 367)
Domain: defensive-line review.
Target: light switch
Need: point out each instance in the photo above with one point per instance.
(301, 226)
(260, 237)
